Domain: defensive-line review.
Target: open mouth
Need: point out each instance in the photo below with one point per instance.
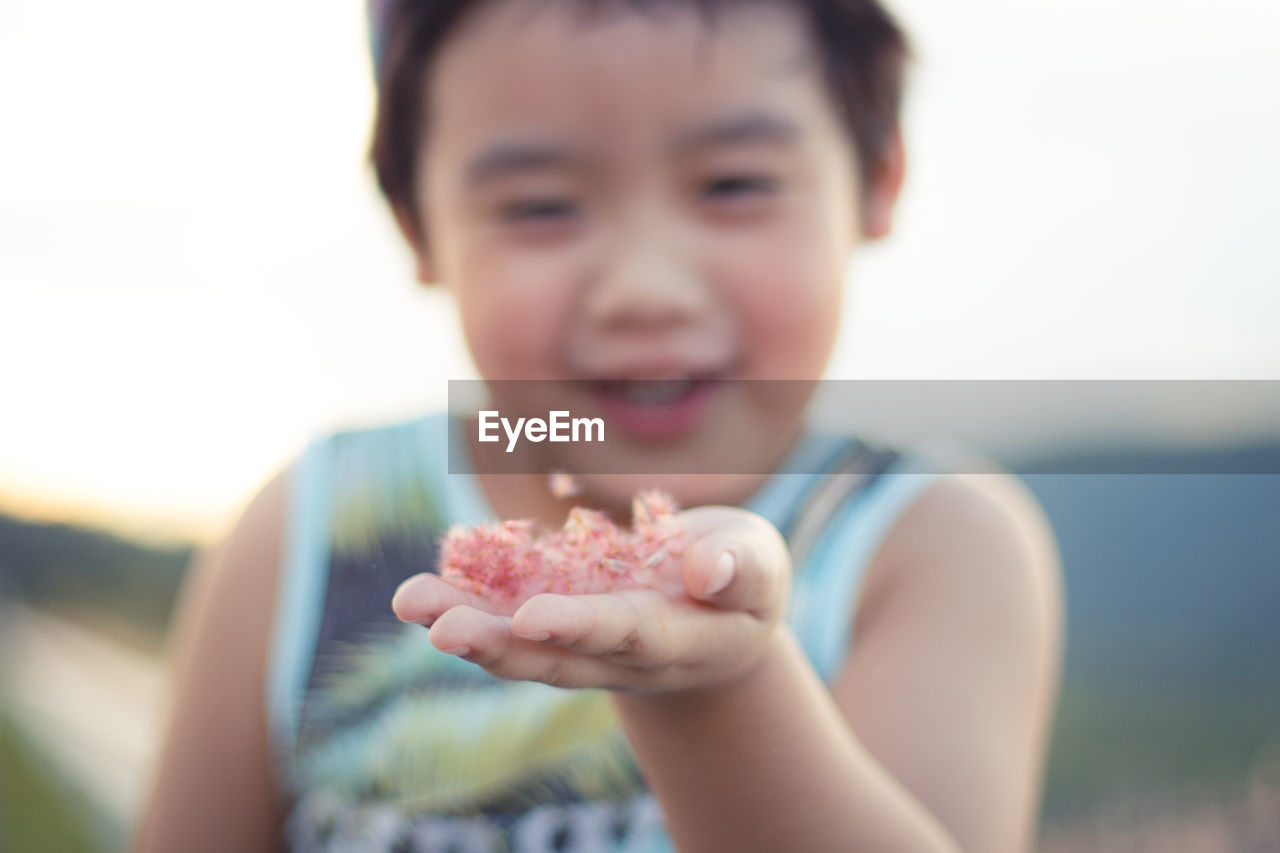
(647, 392)
(654, 408)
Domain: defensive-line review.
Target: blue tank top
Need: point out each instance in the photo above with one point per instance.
(383, 743)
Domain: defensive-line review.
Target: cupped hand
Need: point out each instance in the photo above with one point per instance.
(736, 572)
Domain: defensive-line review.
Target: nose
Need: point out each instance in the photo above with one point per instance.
(647, 282)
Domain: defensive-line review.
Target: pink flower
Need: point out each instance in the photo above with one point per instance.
(510, 562)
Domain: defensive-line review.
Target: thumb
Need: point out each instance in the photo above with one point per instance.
(736, 560)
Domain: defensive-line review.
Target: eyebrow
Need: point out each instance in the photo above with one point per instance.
(510, 158)
(753, 126)
(514, 157)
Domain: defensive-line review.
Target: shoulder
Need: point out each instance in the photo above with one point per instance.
(256, 542)
(989, 512)
(244, 564)
(228, 601)
(974, 552)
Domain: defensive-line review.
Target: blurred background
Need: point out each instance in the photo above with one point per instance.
(196, 275)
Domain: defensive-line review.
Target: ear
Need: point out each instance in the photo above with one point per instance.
(881, 197)
(424, 267)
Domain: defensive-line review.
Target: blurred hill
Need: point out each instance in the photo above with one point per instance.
(120, 585)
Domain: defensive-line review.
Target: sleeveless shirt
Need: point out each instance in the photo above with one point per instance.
(383, 743)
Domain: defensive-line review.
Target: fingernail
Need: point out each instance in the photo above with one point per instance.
(721, 573)
(537, 636)
(459, 651)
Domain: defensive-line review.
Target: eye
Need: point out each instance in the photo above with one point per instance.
(737, 186)
(541, 210)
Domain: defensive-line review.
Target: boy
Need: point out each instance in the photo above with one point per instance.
(637, 195)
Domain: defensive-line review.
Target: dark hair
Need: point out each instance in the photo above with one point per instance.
(862, 49)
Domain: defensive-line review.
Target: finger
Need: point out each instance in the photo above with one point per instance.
(602, 624)
(736, 560)
(635, 628)
(425, 597)
(463, 629)
(488, 641)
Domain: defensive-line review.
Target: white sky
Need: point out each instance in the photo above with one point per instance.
(196, 273)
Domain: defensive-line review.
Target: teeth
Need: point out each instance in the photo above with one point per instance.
(650, 392)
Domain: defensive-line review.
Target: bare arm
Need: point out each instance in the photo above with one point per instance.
(933, 736)
(213, 788)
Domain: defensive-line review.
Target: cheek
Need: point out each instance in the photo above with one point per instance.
(787, 299)
(514, 314)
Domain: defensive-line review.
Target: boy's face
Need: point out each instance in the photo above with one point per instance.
(642, 197)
